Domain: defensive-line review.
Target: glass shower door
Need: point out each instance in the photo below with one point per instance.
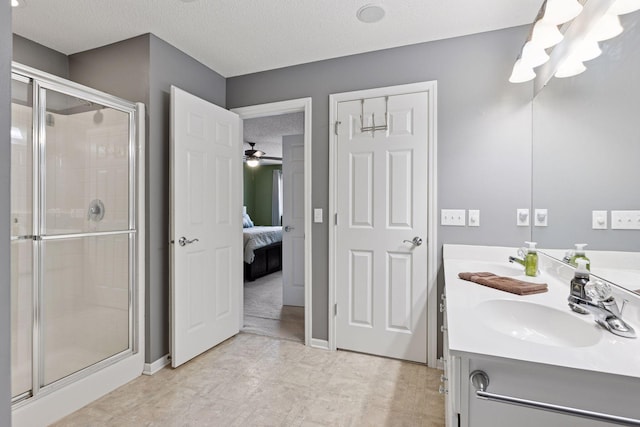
(86, 234)
(73, 233)
(21, 237)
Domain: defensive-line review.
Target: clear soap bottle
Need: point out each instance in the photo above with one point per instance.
(580, 253)
(531, 260)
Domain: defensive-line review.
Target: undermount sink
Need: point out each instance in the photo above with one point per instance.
(538, 323)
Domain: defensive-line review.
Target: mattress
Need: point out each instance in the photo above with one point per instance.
(258, 237)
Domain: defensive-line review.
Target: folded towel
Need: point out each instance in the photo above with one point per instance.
(506, 284)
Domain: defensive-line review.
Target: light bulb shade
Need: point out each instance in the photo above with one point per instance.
(545, 34)
(561, 11)
(533, 55)
(15, 3)
(521, 72)
(571, 66)
(606, 28)
(620, 7)
(252, 162)
(587, 50)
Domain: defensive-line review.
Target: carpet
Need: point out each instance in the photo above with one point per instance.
(264, 313)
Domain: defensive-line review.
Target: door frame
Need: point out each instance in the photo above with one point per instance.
(276, 109)
(430, 87)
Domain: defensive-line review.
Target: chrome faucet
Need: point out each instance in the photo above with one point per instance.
(596, 299)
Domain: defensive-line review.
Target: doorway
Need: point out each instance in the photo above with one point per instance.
(272, 302)
(383, 240)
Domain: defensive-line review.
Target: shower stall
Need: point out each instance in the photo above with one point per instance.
(75, 236)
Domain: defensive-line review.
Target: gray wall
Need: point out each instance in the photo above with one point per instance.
(578, 122)
(35, 55)
(5, 208)
(484, 131)
(168, 66)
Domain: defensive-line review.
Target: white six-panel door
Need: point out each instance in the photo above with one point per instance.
(381, 275)
(206, 210)
(293, 220)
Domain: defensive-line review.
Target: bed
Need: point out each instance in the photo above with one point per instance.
(262, 251)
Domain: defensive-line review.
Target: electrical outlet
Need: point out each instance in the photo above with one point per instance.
(317, 215)
(522, 217)
(599, 220)
(455, 217)
(625, 220)
(474, 218)
(540, 218)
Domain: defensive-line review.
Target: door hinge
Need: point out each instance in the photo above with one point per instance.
(335, 219)
(335, 309)
(335, 126)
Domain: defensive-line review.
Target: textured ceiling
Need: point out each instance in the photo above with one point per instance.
(235, 37)
(267, 132)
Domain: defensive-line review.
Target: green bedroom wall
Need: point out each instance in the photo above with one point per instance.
(258, 192)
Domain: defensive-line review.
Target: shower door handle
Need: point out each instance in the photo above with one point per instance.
(184, 241)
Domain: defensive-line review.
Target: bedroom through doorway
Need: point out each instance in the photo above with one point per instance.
(273, 226)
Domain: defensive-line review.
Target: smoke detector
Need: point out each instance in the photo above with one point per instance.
(370, 13)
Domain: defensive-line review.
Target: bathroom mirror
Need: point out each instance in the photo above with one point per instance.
(586, 157)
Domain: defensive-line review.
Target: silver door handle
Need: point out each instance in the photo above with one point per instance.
(416, 241)
(184, 241)
(288, 228)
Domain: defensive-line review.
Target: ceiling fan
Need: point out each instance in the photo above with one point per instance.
(253, 156)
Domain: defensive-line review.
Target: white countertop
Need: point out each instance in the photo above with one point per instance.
(472, 331)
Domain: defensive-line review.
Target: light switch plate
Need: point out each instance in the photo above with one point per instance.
(522, 217)
(455, 217)
(625, 220)
(540, 218)
(599, 220)
(474, 218)
(317, 215)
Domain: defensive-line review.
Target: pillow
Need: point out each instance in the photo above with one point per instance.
(246, 221)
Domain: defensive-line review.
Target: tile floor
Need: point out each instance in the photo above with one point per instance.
(252, 380)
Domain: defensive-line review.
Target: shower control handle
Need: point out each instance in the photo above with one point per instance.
(184, 241)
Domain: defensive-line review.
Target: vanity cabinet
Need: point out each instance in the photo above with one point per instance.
(592, 391)
(554, 358)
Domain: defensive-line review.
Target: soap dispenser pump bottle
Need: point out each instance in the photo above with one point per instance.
(531, 260)
(579, 253)
(577, 292)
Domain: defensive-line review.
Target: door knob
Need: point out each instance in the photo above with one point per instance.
(288, 228)
(416, 241)
(184, 241)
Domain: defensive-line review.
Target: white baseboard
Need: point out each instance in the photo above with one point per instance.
(321, 344)
(152, 368)
(440, 364)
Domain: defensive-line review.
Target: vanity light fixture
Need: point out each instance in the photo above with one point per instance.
(606, 28)
(587, 50)
(571, 66)
(17, 3)
(522, 72)
(546, 34)
(622, 7)
(533, 55)
(252, 162)
(561, 11)
(586, 24)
